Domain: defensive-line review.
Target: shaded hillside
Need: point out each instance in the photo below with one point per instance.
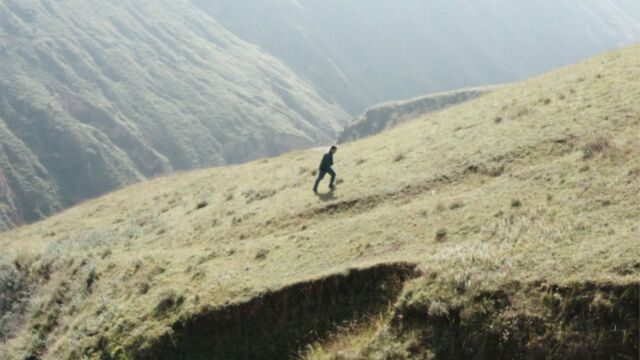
(511, 239)
(364, 52)
(388, 115)
(96, 95)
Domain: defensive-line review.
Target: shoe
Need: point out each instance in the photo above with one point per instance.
(332, 187)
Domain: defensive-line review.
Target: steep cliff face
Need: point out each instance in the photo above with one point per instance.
(363, 52)
(95, 95)
(388, 115)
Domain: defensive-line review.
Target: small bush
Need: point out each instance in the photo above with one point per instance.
(360, 161)
(456, 204)
(498, 120)
(399, 157)
(522, 112)
(441, 235)
(143, 288)
(202, 205)
(600, 145)
(91, 279)
(169, 301)
(259, 195)
(516, 203)
(262, 254)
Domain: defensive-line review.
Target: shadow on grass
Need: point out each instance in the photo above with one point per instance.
(328, 196)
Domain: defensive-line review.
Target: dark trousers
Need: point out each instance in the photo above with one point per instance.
(321, 175)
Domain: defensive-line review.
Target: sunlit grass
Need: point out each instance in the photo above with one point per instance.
(476, 204)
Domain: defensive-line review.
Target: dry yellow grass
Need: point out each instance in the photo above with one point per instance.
(477, 204)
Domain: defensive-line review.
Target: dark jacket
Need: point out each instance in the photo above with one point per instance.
(327, 161)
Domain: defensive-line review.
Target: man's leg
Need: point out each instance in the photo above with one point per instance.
(333, 178)
(321, 174)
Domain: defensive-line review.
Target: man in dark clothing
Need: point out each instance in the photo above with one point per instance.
(325, 168)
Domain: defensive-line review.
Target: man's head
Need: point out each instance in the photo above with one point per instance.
(333, 149)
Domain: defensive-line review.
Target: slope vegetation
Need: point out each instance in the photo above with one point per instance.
(503, 227)
(96, 95)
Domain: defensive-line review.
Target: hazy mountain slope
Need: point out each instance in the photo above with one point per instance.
(363, 52)
(390, 114)
(95, 95)
(525, 231)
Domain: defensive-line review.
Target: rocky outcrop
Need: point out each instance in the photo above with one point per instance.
(388, 115)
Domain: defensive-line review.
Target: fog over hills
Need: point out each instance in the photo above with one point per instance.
(362, 52)
(96, 95)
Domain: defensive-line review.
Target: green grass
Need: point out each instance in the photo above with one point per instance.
(558, 221)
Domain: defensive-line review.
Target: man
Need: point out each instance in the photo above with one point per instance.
(325, 168)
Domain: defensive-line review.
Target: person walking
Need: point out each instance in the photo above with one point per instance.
(325, 168)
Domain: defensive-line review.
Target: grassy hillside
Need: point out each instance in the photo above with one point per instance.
(96, 95)
(385, 116)
(503, 227)
(364, 52)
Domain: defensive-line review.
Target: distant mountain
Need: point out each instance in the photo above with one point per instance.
(388, 115)
(363, 52)
(95, 95)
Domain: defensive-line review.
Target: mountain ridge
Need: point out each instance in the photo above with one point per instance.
(387, 115)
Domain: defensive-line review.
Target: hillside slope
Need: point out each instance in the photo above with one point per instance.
(96, 95)
(506, 226)
(391, 114)
(364, 52)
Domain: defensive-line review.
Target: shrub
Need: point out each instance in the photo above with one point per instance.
(91, 278)
(169, 301)
(252, 195)
(262, 254)
(202, 205)
(456, 204)
(600, 145)
(441, 235)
